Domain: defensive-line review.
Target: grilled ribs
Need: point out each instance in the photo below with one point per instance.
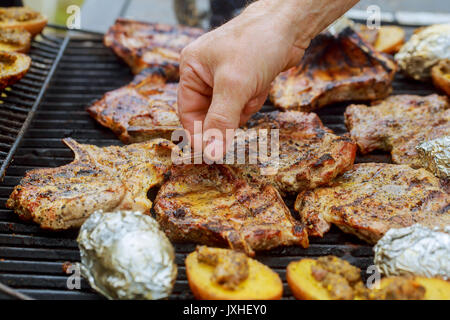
(372, 198)
(142, 45)
(220, 205)
(334, 69)
(310, 155)
(398, 124)
(106, 178)
(140, 111)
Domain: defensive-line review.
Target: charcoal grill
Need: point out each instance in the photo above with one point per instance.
(69, 72)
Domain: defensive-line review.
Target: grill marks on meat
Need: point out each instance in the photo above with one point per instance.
(334, 69)
(372, 198)
(220, 205)
(398, 124)
(142, 45)
(140, 111)
(106, 178)
(310, 155)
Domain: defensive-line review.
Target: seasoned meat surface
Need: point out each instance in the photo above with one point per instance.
(219, 205)
(106, 178)
(374, 197)
(140, 111)
(310, 155)
(334, 69)
(398, 124)
(142, 45)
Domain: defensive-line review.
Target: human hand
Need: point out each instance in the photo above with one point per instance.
(225, 75)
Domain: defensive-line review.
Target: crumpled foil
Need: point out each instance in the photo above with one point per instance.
(124, 255)
(435, 156)
(414, 250)
(425, 48)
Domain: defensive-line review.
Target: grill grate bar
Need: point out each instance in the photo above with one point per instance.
(34, 257)
(31, 112)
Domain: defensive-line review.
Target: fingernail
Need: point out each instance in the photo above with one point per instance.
(214, 150)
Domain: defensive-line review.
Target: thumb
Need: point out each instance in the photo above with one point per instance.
(224, 114)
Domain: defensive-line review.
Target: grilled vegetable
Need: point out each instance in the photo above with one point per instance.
(331, 278)
(22, 18)
(222, 274)
(390, 39)
(440, 74)
(15, 40)
(13, 66)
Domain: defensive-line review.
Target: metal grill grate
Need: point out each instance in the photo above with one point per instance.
(31, 260)
(19, 102)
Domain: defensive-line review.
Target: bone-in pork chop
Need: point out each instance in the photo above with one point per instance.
(106, 178)
(220, 205)
(334, 69)
(140, 111)
(374, 197)
(142, 45)
(398, 124)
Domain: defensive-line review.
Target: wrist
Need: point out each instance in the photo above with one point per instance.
(286, 16)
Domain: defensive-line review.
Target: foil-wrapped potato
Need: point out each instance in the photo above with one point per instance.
(414, 250)
(424, 50)
(124, 255)
(435, 156)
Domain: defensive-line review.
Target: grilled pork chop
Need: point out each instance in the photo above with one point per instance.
(310, 155)
(219, 205)
(140, 111)
(334, 69)
(142, 45)
(99, 178)
(374, 197)
(398, 124)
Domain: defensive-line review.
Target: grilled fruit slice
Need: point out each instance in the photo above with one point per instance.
(143, 110)
(387, 39)
(22, 18)
(432, 288)
(109, 178)
(390, 39)
(398, 124)
(142, 45)
(440, 74)
(13, 66)
(222, 274)
(219, 205)
(310, 155)
(372, 198)
(327, 278)
(334, 69)
(15, 40)
(331, 278)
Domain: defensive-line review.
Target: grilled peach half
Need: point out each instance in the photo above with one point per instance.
(22, 18)
(305, 286)
(15, 40)
(440, 74)
(13, 66)
(260, 282)
(390, 39)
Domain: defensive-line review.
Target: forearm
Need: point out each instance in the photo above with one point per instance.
(301, 20)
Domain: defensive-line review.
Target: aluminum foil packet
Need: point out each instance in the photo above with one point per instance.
(414, 250)
(425, 48)
(124, 255)
(435, 156)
